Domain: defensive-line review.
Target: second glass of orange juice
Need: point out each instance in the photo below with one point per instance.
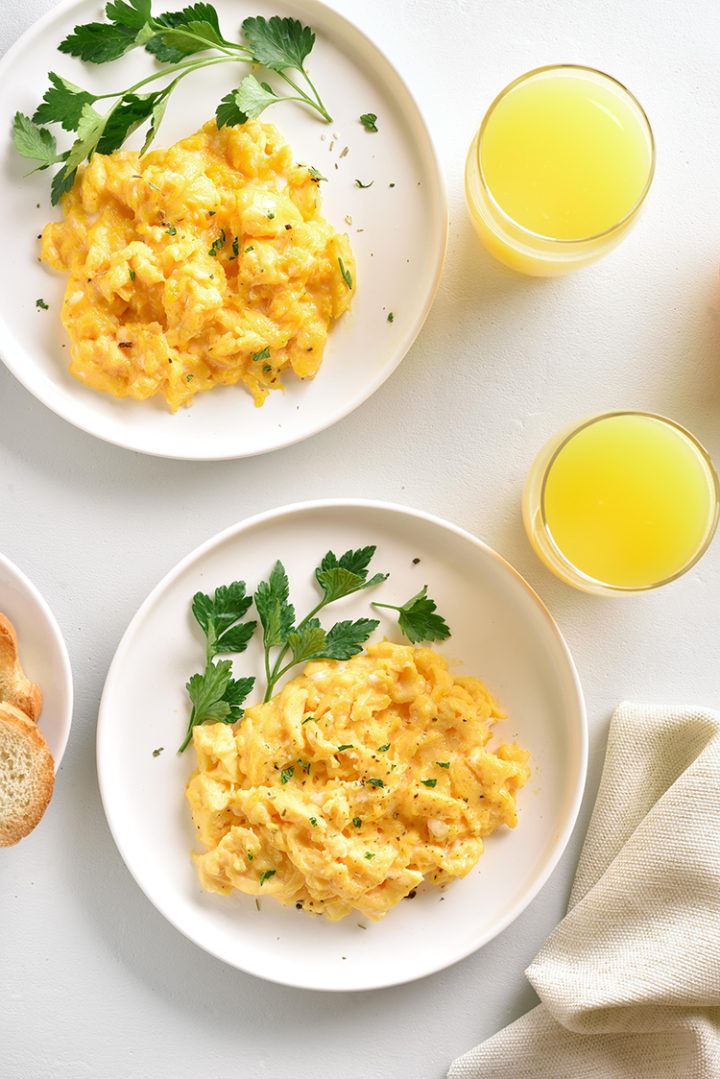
(559, 169)
(622, 502)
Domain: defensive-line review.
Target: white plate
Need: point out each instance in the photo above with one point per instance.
(43, 654)
(501, 632)
(398, 233)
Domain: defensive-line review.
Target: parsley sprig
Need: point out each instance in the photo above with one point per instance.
(176, 39)
(417, 618)
(337, 577)
(217, 696)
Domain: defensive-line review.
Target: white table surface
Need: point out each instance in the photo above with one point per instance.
(95, 983)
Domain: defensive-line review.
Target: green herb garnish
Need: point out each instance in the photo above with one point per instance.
(41, 304)
(369, 854)
(341, 749)
(286, 774)
(313, 821)
(357, 822)
(374, 782)
(443, 764)
(384, 749)
(359, 183)
(369, 121)
(337, 577)
(215, 694)
(347, 276)
(429, 782)
(417, 618)
(316, 176)
(217, 245)
(182, 42)
(263, 354)
(266, 874)
(171, 230)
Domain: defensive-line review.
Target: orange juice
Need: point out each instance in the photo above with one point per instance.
(560, 166)
(624, 502)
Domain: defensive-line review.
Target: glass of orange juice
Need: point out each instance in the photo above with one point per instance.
(559, 169)
(621, 502)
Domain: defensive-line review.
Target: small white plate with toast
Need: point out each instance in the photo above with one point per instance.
(42, 653)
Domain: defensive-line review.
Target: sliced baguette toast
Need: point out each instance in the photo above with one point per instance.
(15, 687)
(27, 775)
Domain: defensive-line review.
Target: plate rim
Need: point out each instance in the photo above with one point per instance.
(92, 424)
(60, 646)
(311, 506)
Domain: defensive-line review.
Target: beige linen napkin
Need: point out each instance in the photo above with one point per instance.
(630, 979)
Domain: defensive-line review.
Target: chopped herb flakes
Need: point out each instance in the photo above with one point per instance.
(374, 782)
(263, 354)
(342, 748)
(316, 175)
(347, 276)
(429, 782)
(313, 821)
(391, 317)
(369, 121)
(41, 304)
(443, 764)
(369, 854)
(357, 822)
(309, 719)
(217, 245)
(286, 774)
(359, 183)
(171, 230)
(384, 749)
(266, 874)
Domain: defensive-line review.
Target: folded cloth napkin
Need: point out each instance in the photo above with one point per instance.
(630, 979)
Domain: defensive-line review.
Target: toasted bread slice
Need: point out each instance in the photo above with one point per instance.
(27, 775)
(15, 688)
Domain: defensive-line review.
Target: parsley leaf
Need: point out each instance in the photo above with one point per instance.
(215, 696)
(287, 773)
(62, 103)
(277, 615)
(134, 14)
(99, 42)
(36, 143)
(429, 782)
(369, 121)
(278, 43)
(219, 618)
(359, 183)
(417, 618)
(346, 639)
(263, 354)
(252, 97)
(342, 576)
(266, 874)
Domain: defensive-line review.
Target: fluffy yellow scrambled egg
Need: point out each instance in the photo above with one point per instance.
(208, 263)
(353, 784)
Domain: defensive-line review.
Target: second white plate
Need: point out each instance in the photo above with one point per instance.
(501, 632)
(397, 228)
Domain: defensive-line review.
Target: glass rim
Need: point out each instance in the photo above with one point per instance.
(712, 476)
(529, 233)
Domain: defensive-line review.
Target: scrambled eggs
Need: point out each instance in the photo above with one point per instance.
(204, 264)
(353, 784)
